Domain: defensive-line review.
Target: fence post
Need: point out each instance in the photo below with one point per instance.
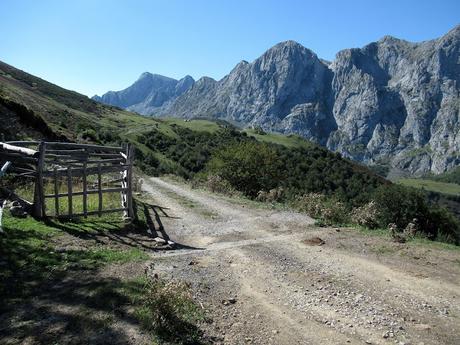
(129, 178)
(99, 189)
(69, 190)
(39, 199)
(56, 193)
(85, 192)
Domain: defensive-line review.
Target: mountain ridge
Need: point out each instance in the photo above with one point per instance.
(391, 102)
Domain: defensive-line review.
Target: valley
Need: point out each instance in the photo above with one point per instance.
(295, 200)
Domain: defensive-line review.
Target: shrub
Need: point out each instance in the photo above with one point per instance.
(443, 226)
(89, 134)
(248, 166)
(170, 312)
(367, 215)
(400, 205)
(328, 210)
(274, 195)
(217, 184)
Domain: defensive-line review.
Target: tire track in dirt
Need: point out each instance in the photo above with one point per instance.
(303, 294)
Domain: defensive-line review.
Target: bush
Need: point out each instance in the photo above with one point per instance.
(248, 166)
(170, 312)
(89, 134)
(330, 211)
(443, 226)
(217, 184)
(400, 205)
(274, 195)
(367, 215)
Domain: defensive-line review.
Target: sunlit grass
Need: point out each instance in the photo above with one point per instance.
(430, 185)
(274, 138)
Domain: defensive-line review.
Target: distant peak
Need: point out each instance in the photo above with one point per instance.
(454, 32)
(148, 75)
(289, 43)
(145, 75)
(188, 77)
(288, 48)
(205, 80)
(389, 39)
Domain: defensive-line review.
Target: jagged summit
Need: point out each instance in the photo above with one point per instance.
(390, 102)
(288, 49)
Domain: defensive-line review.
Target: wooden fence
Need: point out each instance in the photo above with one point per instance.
(98, 170)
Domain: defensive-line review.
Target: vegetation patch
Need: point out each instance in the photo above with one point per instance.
(433, 185)
(31, 254)
(168, 311)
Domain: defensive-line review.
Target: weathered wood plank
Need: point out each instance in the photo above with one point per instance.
(17, 157)
(39, 200)
(88, 192)
(55, 145)
(99, 188)
(129, 180)
(69, 190)
(78, 172)
(5, 168)
(18, 149)
(85, 192)
(23, 143)
(56, 192)
(93, 213)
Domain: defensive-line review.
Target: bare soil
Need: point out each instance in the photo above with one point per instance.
(273, 277)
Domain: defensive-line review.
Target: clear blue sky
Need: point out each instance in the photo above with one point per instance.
(92, 46)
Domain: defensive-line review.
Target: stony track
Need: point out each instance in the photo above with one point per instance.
(250, 268)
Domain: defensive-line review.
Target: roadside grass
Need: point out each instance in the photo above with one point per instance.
(37, 265)
(412, 241)
(186, 202)
(432, 186)
(168, 311)
(109, 200)
(30, 253)
(236, 199)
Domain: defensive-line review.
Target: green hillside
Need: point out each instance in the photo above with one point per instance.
(252, 162)
(432, 185)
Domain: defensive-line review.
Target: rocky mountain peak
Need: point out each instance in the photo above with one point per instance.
(390, 102)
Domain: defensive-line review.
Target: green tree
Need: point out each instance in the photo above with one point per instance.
(248, 166)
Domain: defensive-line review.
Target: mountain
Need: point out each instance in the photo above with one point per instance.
(32, 108)
(392, 103)
(148, 94)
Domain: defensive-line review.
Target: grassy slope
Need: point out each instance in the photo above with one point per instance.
(36, 109)
(288, 141)
(432, 186)
(67, 112)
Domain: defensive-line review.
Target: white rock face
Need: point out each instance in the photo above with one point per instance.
(391, 102)
(148, 94)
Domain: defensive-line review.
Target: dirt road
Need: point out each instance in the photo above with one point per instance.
(261, 283)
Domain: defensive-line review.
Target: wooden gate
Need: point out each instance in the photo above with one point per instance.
(83, 171)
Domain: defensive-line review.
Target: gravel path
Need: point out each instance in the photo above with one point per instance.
(262, 284)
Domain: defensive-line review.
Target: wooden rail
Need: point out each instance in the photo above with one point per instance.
(73, 165)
